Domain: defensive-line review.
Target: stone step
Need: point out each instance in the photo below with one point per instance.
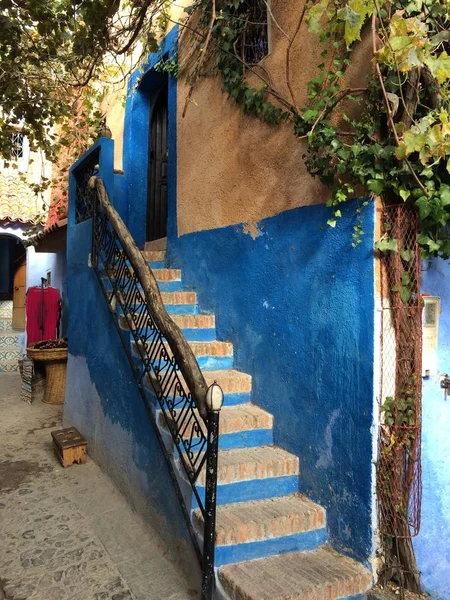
(230, 380)
(194, 327)
(166, 283)
(162, 275)
(234, 419)
(261, 528)
(167, 274)
(264, 519)
(195, 321)
(175, 303)
(179, 297)
(154, 255)
(214, 348)
(321, 574)
(9, 366)
(235, 385)
(245, 464)
(160, 244)
(210, 355)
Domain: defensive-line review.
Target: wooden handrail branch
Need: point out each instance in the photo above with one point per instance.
(179, 346)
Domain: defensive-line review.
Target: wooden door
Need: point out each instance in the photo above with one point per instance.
(19, 291)
(158, 166)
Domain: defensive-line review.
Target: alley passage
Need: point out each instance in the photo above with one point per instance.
(68, 534)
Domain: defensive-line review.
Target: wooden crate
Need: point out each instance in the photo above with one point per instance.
(69, 446)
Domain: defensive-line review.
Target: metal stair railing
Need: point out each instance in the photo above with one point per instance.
(164, 363)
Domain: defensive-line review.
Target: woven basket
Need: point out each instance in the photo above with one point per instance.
(55, 360)
(45, 355)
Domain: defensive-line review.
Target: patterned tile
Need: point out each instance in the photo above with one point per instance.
(9, 340)
(10, 355)
(5, 324)
(9, 367)
(6, 307)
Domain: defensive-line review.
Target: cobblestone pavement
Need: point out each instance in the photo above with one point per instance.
(68, 534)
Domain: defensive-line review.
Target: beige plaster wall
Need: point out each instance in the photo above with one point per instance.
(233, 168)
(113, 106)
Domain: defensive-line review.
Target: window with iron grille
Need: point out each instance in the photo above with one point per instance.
(254, 43)
(17, 143)
(85, 196)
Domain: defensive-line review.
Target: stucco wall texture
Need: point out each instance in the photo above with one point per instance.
(231, 167)
(298, 305)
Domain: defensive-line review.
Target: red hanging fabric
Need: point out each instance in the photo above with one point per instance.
(42, 304)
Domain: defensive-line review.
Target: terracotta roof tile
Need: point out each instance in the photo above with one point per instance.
(17, 200)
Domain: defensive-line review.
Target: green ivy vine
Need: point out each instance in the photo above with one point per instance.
(397, 147)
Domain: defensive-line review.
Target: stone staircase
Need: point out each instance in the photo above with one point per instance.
(271, 541)
(9, 340)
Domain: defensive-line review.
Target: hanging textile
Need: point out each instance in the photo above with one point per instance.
(43, 306)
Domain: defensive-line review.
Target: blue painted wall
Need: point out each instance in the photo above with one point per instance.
(298, 305)
(433, 543)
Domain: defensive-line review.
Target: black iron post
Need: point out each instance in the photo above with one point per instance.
(209, 539)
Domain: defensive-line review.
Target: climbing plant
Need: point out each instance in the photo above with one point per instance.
(398, 144)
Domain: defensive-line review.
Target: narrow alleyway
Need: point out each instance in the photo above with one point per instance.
(68, 534)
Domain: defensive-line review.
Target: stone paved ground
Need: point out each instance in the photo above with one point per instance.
(68, 534)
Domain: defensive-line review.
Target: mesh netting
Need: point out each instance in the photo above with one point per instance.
(398, 470)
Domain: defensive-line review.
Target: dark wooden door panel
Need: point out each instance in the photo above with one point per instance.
(158, 170)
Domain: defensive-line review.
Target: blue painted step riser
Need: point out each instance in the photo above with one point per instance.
(164, 286)
(300, 542)
(244, 439)
(195, 335)
(192, 335)
(229, 400)
(199, 335)
(153, 264)
(253, 489)
(172, 309)
(211, 363)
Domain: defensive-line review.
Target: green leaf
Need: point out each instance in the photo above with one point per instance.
(376, 186)
(386, 244)
(354, 14)
(407, 255)
(404, 194)
(445, 195)
(315, 15)
(405, 294)
(439, 66)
